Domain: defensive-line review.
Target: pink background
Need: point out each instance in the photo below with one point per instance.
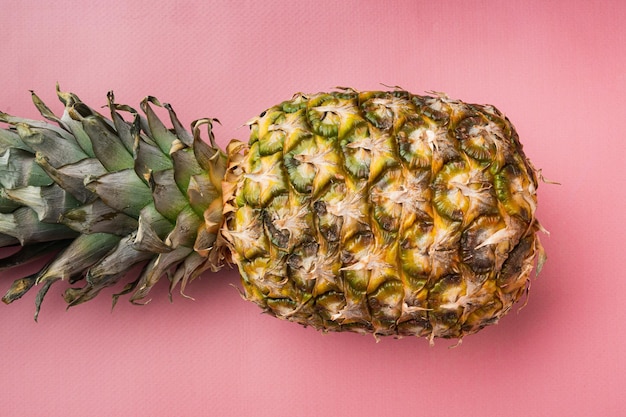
(556, 68)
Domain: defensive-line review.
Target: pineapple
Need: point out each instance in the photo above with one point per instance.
(375, 212)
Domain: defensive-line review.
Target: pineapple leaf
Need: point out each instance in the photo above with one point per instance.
(162, 136)
(58, 150)
(19, 288)
(24, 225)
(99, 217)
(107, 146)
(48, 202)
(72, 177)
(31, 252)
(168, 199)
(154, 270)
(122, 190)
(83, 252)
(19, 169)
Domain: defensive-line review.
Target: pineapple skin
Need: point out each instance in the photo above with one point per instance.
(382, 212)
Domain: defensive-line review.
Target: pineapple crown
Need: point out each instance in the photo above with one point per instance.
(105, 194)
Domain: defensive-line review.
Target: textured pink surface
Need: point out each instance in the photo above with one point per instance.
(558, 69)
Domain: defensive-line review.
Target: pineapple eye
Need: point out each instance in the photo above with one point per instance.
(332, 116)
(512, 191)
(328, 225)
(416, 241)
(480, 259)
(515, 262)
(449, 199)
(330, 303)
(301, 174)
(478, 138)
(416, 142)
(389, 198)
(249, 237)
(272, 142)
(379, 113)
(323, 116)
(433, 109)
(282, 307)
(386, 301)
(446, 297)
(357, 160)
(298, 102)
(278, 237)
(271, 135)
(264, 179)
(387, 110)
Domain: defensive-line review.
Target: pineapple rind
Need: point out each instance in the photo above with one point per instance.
(414, 215)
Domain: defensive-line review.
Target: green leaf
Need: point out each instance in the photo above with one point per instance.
(161, 135)
(155, 269)
(57, 149)
(122, 127)
(24, 225)
(107, 271)
(152, 230)
(185, 165)
(48, 202)
(183, 135)
(148, 158)
(31, 253)
(10, 139)
(168, 199)
(185, 230)
(38, 125)
(83, 252)
(107, 146)
(123, 191)
(19, 287)
(19, 169)
(72, 177)
(7, 205)
(99, 217)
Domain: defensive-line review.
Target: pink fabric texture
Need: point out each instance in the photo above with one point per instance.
(556, 68)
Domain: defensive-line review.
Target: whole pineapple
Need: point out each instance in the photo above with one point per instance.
(376, 212)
